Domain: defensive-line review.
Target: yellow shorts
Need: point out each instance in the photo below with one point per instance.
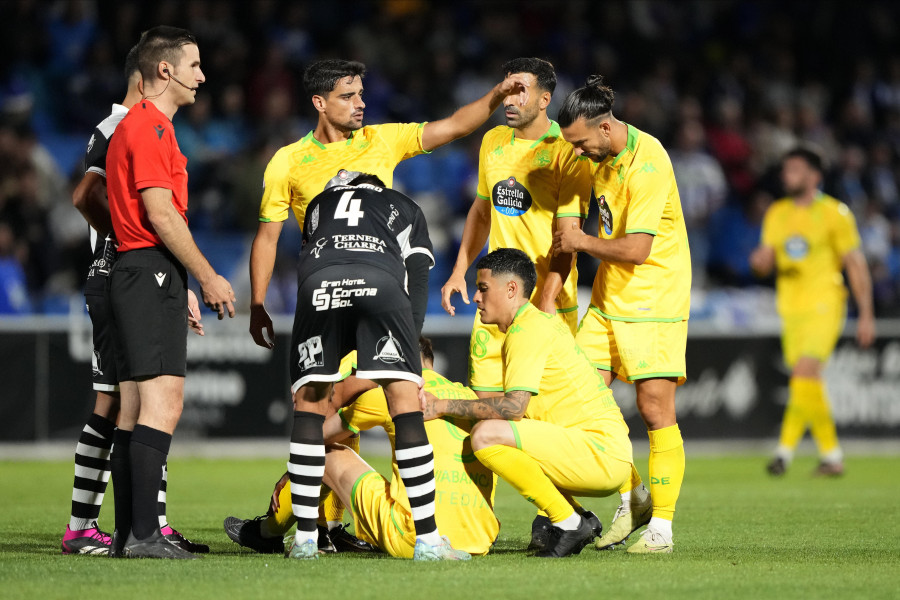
(485, 363)
(813, 334)
(634, 350)
(578, 462)
(381, 520)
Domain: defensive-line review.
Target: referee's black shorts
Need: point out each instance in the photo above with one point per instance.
(350, 307)
(148, 293)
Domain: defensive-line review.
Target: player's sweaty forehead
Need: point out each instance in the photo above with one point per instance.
(529, 78)
(349, 85)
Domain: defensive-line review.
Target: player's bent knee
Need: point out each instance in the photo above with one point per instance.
(493, 432)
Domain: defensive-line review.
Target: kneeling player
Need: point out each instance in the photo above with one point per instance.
(557, 430)
(381, 510)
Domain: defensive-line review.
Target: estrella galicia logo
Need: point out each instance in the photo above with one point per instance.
(796, 247)
(606, 217)
(510, 198)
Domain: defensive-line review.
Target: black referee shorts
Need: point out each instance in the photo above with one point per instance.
(349, 307)
(148, 293)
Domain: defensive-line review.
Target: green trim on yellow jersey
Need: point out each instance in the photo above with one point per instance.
(356, 483)
(424, 151)
(522, 389)
(477, 195)
(519, 312)
(637, 319)
(264, 220)
(553, 132)
(579, 215)
(597, 446)
(652, 232)
(346, 423)
(309, 137)
(602, 367)
(566, 310)
(630, 143)
(654, 376)
(486, 389)
(516, 434)
(394, 521)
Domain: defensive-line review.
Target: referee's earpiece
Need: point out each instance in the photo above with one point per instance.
(166, 71)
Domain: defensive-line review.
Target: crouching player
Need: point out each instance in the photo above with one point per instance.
(464, 488)
(556, 432)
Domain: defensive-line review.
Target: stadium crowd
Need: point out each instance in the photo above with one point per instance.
(727, 86)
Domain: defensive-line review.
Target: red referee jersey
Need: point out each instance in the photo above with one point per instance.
(142, 154)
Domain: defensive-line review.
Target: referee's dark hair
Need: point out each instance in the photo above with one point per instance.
(368, 178)
(510, 261)
(131, 63)
(320, 77)
(812, 157)
(426, 349)
(162, 43)
(541, 69)
(591, 102)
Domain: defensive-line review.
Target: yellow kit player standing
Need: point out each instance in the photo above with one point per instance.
(809, 237)
(341, 144)
(556, 431)
(530, 182)
(636, 328)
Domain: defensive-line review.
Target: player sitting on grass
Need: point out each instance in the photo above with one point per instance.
(556, 431)
(464, 488)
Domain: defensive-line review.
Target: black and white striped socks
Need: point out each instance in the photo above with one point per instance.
(306, 468)
(91, 471)
(415, 463)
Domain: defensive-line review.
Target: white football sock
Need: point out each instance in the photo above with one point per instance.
(570, 523)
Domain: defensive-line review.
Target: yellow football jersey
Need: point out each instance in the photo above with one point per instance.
(464, 488)
(636, 193)
(299, 172)
(810, 243)
(540, 356)
(530, 183)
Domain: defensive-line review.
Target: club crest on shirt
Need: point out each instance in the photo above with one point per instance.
(314, 220)
(796, 247)
(510, 198)
(606, 216)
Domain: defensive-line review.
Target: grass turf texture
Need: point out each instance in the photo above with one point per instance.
(739, 534)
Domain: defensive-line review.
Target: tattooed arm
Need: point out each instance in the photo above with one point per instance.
(510, 407)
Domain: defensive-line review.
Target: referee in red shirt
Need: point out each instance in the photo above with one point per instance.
(147, 189)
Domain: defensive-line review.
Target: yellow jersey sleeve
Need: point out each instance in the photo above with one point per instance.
(768, 233)
(649, 185)
(484, 190)
(574, 185)
(370, 410)
(403, 139)
(276, 200)
(845, 235)
(524, 357)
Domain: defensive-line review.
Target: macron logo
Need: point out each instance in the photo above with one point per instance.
(160, 277)
(159, 130)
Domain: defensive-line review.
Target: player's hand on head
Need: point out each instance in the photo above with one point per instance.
(456, 283)
(566, 240)
(260, 320)
(219, 296)
(515, 84)
(194, 315)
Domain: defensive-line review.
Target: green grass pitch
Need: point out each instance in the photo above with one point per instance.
(739, 534)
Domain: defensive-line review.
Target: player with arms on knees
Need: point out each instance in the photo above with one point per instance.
(92, 467)
(636, 327)
(362, 285)
(147, 189)
(464, 488)
(557, 431)
(530, 182)
(808, 237)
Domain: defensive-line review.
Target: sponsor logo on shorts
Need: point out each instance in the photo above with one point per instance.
(160, 277)
(358, 243)
(91, 142)
(311, 354)
(340, 293)
(387, 350)
(510, 198)
(606, 217)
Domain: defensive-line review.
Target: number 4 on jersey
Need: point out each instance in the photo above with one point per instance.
(348, 208)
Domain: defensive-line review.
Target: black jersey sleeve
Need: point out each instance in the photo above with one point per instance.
(414, 238)
(95, 155)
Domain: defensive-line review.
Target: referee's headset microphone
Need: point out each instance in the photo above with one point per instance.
(175, 79)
